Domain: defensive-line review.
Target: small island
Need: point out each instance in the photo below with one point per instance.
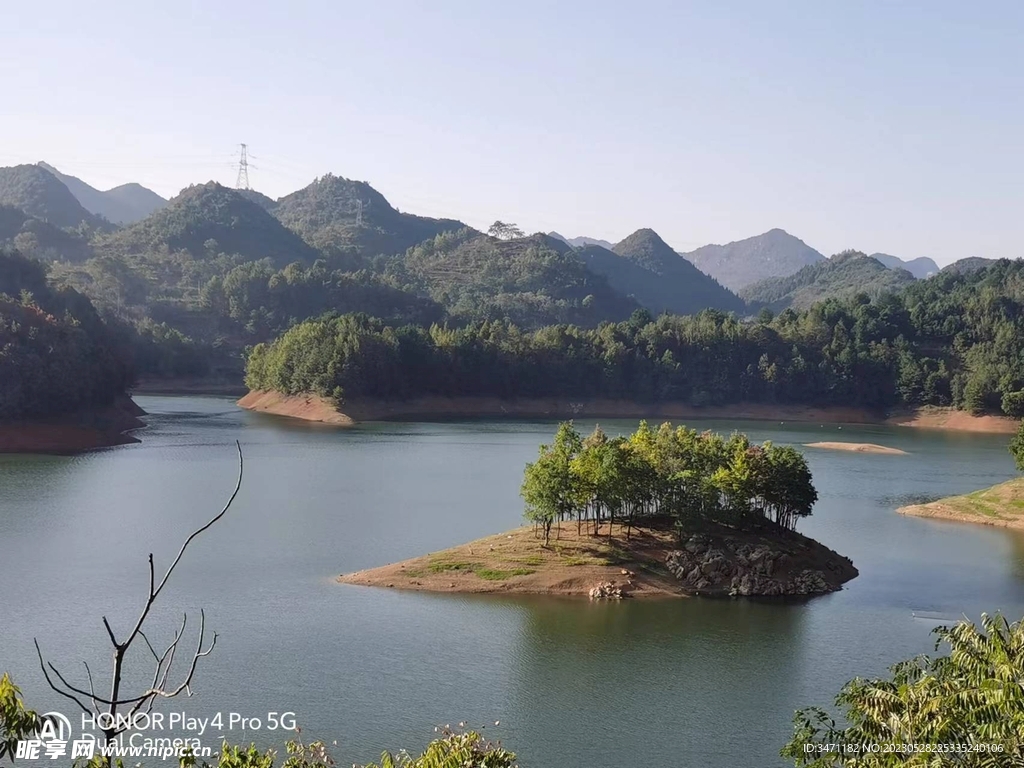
(666, 512)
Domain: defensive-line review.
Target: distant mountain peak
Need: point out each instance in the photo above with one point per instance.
(775, 253)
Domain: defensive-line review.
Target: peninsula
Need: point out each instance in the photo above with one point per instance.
(1001, 505)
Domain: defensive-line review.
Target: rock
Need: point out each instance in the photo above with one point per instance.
(606, 591)
(719, 565)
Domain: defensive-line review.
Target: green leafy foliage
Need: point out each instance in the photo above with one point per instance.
(1017, 448)
(970, 697)
(652, 476)
(844, 275)
(453, 750)
(17, 722)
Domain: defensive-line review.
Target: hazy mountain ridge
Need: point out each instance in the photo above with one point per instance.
(124, 204)
(582, 242)
(37, 192)
(845, 274)
(920, 267)
(776, 253)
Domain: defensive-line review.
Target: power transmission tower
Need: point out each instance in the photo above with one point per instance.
(359, 212)
(243, 170)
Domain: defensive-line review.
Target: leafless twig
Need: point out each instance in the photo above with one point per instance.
(110, 725)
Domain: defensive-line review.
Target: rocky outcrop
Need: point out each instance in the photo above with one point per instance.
(784, 564)
(606, 591)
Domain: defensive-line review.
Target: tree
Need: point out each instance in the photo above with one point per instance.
(972, 696)
(159, 687)
(1013, 404)
(503, 231)
(1017, 448)
(17, 722)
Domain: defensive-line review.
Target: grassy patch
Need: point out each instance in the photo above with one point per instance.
(493, 574)
(528, 560)
(441, 566)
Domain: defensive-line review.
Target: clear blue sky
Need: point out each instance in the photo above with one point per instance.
(895, 126)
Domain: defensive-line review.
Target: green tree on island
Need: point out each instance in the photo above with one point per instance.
(672, 475)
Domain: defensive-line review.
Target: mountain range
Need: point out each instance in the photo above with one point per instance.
(920, 268)
(124, 204)
(354, 227)
(40, 194)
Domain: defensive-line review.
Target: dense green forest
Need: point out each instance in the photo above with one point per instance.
(56, 353)
(955, 339)
(677, 476)
(845, 274)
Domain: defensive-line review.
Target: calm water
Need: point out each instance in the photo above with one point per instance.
(681, 683)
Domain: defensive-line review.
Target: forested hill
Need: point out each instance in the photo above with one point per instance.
(955, 339)
(736, 265)
(970, 264)
(56, 354)
(645, 267)
(843, 275)
(338, 215)
(532, 281)
(40, 239)
(209, 218)
(124, 204)
(40, 194)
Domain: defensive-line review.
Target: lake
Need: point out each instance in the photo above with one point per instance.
(574, 684)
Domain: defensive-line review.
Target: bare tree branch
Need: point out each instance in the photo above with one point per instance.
(164, 661)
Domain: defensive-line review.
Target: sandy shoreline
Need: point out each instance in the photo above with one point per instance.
(74, 433)
(316, 408)
(858, 448)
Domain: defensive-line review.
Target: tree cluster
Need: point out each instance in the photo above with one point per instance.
(653, 477)
(952, 340)
(56, 353)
